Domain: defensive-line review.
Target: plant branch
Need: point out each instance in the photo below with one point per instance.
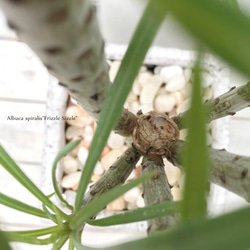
(66, 37)
(117, 174)
(155, 191)
(228, 103)
(228, 170)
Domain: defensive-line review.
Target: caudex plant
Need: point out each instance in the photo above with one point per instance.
(66, 37)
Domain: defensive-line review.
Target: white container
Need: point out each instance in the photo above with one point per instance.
(55, 136)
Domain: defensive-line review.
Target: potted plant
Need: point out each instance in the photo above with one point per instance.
(194, 230)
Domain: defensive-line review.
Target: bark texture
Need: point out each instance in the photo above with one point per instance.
(228, 103)
(228, 170)
(65, 35)
(157, 190)
(117, 174)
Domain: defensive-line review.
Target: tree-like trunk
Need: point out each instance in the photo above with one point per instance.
(66, 36)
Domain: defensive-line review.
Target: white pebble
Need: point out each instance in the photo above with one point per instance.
(187, 73)
(157, 70)
(115, 140)
(150, 89)
(144, 77)
(208, 94)
(111, 157)
(132, 195)
(177, 194)
(175, 83)
(145, 108)
(71, 180)
(169, 71)
(134, 107)
(207, 79)
(80, 116)
(132, 176)
(116, 205)
(131, 206)
(88, 133)
(70, 196)
(131, 97)
(164, 103)
(183, 134)
(182, 181)
(95, 177)
(143, 69)
(74, 132)
(184, 106)
(114, 67)
(161, 91)
(83, 155)
(70, 164)
(140, 201)
(173, 173)
(187, 90)
(179, 97)
(136, 88)
(98, 170)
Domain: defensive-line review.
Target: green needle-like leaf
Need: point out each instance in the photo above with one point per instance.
(49, 214)
(195, 160)
(8, 163)
(98, 204)
(20, 206)
(64, 151)
(230, 232)
(30, 239)
(71, 243)
(60, 242)
(4, 241)
(140, 214)
(140, 43)
(39, 232)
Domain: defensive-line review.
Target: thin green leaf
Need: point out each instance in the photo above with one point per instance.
(230, 232)
(4, 241)
(195, 162)
(8, 163)
(49, 214)
(139, 45)
(98, 204)
(33, 236)
(64, 151)
(222, 28)
(71, 243)
(140, 214)
(39, 232)
(20, 206)
(60, 242)
(30, 239)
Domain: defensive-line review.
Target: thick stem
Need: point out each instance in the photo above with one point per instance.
(228, 170)
(229, 103)
(126, 123)
(156, 190)
(117, 174)
(66, 37)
